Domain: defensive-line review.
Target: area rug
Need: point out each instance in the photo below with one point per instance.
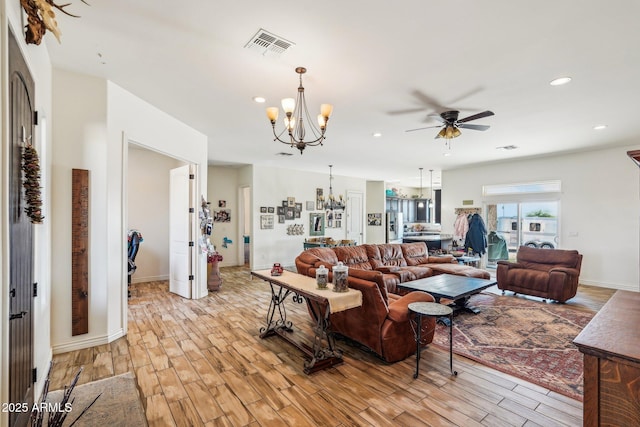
(118, 405)
(528, 339)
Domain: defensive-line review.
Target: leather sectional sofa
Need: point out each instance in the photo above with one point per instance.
(382, 322)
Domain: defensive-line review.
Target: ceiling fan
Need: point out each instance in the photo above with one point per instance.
(451, 125)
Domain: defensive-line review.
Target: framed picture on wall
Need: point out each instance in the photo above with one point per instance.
(266, 222)
(280, 210)
(263, 209)
(271, 209)
(289, 213)
(374, 219)
(316, 224)
(291, 202)
(311, 205)
(319, 193)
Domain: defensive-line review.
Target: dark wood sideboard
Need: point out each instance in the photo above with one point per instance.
(611, 347)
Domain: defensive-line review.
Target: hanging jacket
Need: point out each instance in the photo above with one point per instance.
(497, 247)
(460, 227)
(476, 238)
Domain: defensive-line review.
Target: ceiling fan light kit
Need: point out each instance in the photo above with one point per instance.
(451, 125)
(297, 113)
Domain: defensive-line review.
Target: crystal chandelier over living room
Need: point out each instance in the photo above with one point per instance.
(332, 203)
(297, 113)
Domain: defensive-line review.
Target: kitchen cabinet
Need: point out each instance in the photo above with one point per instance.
(421, 211)
(411, 211)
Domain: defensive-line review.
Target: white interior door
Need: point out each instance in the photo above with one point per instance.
(181, 242)
(355, 212)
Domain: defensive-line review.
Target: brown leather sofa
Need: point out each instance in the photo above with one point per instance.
(382, 322)
(546, 273)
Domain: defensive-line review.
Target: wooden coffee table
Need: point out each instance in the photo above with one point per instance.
(450, 286)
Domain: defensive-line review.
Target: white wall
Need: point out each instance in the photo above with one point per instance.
(599, 206)
(94, 122)
(273, 185)
(38, 62)
(148, 210)
(376, 203)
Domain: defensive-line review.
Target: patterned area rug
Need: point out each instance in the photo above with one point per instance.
(524, 338)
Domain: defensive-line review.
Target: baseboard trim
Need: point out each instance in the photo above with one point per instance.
(149, 279)
(81, 344)
(618, 286)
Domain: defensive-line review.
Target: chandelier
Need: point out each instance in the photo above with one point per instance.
(332, 203)
(294, 123)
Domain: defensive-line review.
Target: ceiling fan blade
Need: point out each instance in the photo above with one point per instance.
(406, 111)
(436, 117)
(476, 116)
(471, 126)
(427, 100)
(428, 127)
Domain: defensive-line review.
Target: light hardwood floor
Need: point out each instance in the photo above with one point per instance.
(201, 363)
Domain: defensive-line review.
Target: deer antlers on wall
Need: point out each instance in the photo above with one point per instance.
(41, 17)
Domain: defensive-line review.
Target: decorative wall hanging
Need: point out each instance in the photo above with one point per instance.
(41, 17)
(295, 229)
(31, 183)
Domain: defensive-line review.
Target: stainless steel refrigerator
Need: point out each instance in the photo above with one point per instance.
(395, 227)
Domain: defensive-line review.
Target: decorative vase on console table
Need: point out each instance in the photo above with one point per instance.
(214, 281)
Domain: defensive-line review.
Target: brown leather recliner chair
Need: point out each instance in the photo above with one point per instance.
(546, 273)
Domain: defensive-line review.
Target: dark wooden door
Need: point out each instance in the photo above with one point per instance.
(21, 89)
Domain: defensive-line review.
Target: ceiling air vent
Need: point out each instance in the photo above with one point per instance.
(282, 153)
(268, 44)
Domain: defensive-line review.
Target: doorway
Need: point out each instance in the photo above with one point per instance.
(525, 223)
(354, 214)
(147, 209)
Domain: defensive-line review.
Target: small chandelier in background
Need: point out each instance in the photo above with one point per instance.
(296, 114)
(332, 203)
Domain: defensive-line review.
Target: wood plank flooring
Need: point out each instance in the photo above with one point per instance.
(201, 363)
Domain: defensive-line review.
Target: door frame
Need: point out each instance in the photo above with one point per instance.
(199, 283)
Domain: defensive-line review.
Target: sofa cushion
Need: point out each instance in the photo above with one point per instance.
(415, 253)
(385, 255)
(459, 270)
(353, 257)
(319, 256)
(545, 260)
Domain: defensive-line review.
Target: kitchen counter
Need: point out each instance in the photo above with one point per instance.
(421, 233)
(433, 241)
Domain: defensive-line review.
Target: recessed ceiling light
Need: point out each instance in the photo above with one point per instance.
(600, 127)
(259, 99)
(376, 134)
(560, 81)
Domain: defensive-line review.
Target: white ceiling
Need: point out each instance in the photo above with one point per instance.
(384, 65)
